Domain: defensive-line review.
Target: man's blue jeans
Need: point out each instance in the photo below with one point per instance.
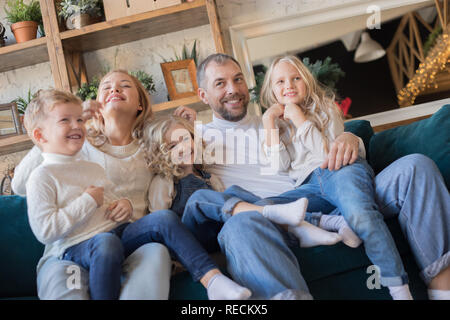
(411, 189)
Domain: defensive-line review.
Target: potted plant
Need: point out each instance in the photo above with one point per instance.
(24, 18)
(185, 55)
(22, 104)
(79, 13)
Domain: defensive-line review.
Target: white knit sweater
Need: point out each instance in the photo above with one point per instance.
(60, 212)
(124, 167)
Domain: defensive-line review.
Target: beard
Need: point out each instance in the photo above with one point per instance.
(227, 114)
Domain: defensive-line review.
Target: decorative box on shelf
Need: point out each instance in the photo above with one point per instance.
(121, 8)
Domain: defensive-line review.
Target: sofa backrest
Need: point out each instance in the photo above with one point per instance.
(20, 251)
(430, 137)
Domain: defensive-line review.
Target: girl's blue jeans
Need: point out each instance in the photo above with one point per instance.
(351, 190)
(165, 227)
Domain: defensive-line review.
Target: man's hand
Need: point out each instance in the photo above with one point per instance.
(343, 151)
(96, 193)
(185, 112)
(119, 211)
(91, 109)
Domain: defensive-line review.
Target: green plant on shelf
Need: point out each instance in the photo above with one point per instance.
(22, 103)
(18, 10)
(71, 7)
(185, 54)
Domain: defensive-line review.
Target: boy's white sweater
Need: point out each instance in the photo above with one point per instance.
(60, 212)
(124, 166)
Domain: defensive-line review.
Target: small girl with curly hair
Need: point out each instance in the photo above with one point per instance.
(169, 144)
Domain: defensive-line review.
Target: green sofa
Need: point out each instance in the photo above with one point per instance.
(332, 272)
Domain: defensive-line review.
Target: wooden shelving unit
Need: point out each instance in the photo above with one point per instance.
(23, 54)
(64, 49)
(145, 25)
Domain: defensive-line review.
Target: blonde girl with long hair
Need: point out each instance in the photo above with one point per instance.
(292, 92)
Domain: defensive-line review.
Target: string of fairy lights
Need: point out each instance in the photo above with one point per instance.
(425, 76)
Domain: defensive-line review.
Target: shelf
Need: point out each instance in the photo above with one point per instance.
(193, 101)
(136, 27)
(15, 144)
(23, 54)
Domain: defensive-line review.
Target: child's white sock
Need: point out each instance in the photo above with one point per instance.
(221, 287)
(400, 292)
(310, 236)
(289, 213)
(339, 225)
(434, 294)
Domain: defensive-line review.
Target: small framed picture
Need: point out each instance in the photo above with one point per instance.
(9, 120)
(181, 79)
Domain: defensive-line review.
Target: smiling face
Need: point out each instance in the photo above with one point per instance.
(225, 91)
(62, 131)
(118, 94)
(180, 144)
(287, 84)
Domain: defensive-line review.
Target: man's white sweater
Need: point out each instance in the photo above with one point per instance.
(247, 155)
(253, 174)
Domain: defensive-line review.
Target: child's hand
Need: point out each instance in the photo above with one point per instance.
(186, 112)
(91, 109)
(119, 211)
(274, 112)
(294, 113)
(96, 193)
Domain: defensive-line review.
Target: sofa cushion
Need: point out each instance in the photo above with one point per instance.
(430, 137)
(362, 129)
(19, 250)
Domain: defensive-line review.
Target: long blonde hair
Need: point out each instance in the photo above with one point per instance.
(318, 105)
(96, 127)
(157, 155)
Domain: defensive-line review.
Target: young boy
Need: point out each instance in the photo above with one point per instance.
(70, 207)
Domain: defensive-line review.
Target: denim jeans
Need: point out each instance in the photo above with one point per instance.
(411, 189)
(351, 190)
(102, 255)
(255, 248)
(145, 276)
(165, 227)
(207, 210)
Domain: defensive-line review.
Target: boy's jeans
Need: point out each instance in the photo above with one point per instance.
(102, 255)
